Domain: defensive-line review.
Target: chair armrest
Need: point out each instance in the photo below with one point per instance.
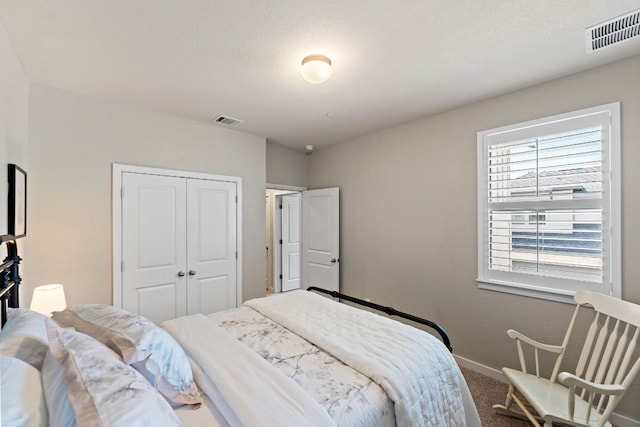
(568, 380)
(546, 347)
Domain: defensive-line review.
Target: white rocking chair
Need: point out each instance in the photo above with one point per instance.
(605, 368)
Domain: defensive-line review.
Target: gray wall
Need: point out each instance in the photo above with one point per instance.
(408, 214)
(73, 142)
(14, 102)
(286, 166)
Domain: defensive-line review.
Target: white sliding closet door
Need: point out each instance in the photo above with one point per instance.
(211, 250)
(154, 246)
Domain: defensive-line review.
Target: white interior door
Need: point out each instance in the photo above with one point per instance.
(321, 239)
(212, 246)
(269, 284)
(291, 246)
(154, 246)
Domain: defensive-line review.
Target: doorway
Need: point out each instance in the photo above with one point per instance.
(273, 234)
(302, 239)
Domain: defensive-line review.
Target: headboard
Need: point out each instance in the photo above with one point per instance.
(9, 276)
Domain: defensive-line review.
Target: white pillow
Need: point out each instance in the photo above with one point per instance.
(116, 341)
(102, 390)
(167, 367)
(24, 336)
(55, 392)
(22, 402)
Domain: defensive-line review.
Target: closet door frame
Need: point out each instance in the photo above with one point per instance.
(116, 217)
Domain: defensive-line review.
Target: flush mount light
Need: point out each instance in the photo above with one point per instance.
(316, 68)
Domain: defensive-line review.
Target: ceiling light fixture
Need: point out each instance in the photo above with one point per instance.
(316, 68)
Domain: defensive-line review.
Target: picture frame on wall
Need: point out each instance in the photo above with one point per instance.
(17, 214)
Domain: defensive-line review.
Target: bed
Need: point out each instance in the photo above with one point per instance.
(292, 359)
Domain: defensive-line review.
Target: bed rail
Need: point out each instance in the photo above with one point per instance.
(9, 277)
(390, 311)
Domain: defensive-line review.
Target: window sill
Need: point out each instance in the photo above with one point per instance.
(527, 291)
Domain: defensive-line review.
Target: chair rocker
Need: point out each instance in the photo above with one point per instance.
(606, 367)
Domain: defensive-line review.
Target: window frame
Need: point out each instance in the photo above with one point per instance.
(540, 286)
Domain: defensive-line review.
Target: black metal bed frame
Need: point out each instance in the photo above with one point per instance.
(9, 277)
(390, 311)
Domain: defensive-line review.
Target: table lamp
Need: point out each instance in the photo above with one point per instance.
(48, 298)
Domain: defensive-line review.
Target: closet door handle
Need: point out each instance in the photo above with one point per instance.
(192, 272)
(180, 273)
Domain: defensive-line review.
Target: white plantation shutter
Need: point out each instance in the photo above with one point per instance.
(546, 211)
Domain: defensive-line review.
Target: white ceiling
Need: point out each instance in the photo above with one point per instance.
(394, 61)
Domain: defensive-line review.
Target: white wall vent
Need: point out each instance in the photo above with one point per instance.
(226, 120)
(613, 31)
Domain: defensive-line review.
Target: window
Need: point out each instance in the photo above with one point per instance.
(549, 205)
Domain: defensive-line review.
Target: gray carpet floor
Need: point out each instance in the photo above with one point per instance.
(487, 392)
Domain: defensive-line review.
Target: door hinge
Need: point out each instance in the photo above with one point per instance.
(280, 241)
(236, 199)
(281, 277)
(236, 254)
(122, 266)
(122, 192)
(280, 206)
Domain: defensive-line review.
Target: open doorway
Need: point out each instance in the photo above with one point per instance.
(273, 234)
(302, 239)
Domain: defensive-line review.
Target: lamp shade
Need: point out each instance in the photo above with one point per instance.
(316, 69)
(48, 298)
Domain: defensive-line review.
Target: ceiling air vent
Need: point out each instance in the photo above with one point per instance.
(613, 31)
(226, 120)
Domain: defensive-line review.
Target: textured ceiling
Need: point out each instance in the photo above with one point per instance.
(394, 61)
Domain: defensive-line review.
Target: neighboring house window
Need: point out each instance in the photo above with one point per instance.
(549, 205)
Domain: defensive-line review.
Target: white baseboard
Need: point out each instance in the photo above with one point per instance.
(480, 368)
(616, 419)
(621, 421)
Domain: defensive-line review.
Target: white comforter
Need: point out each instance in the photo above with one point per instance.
(247, 390)
(415, 369)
